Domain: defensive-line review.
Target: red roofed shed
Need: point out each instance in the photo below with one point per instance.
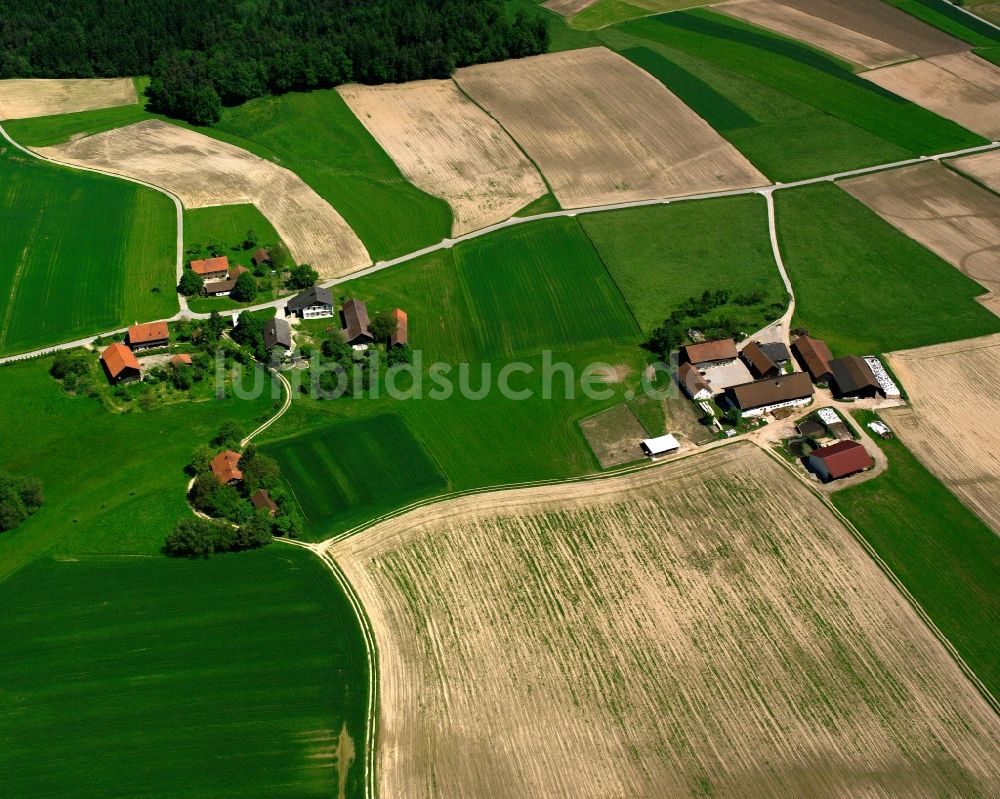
(120, 364)
(402, 334)
(839, 460)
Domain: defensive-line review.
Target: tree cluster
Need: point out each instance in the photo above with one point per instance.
(72, 368)
(199, 538)
(19, 498)
(203, 56)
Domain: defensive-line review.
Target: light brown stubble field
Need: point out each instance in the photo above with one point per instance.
(961, 87)
(203, 171)
(568, 7)
(816, 31)
(603, 131)
(703, 628)
(42, 97)
(951, 426)
(951, 216)
(984, 167)
(448, 146)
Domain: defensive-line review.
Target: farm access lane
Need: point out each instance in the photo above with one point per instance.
(444, 244)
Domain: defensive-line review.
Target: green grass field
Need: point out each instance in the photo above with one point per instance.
(662, 254)
(864, 286)
(151, 677)
(227, 224)
(793, 111)
(88, 249)
(943, 15)
(46, 131)
(343, 473)
(608, 12)
(942, 552)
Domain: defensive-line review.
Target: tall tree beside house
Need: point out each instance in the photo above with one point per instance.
(190, 283)
(382, 327)
(302, 277)
(245, 289)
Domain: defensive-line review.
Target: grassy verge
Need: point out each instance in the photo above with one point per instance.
(82, 253)
(864, 286)
(148, 677)
(942, 552)
(660, 255)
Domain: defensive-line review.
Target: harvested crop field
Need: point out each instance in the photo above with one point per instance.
(597, 126)
(448, 146)
(203, 171)
(840, 41)
(984, 167)
(673, 632)
(21, 99)
(961, 87)
(951, 425)
(614, 436)
(951, 216)
(881, 21)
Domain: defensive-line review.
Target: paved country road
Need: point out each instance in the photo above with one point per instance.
(766, 191)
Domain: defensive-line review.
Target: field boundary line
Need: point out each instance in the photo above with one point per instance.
(974, 16)
(897, 583)
(281, 411)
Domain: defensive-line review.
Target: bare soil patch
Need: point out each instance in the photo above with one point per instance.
(951, 425)
(961, 87)
(568, 7)
(603, 131)
(203, 171)
(882, 21)
(614, 436)
(20, 99)
(836, 39)
(951, 216)
(449, 147)
(676, 632)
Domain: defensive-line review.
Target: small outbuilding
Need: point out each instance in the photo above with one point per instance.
(839, 460)
(758, 362)
(693, 382)
(261, 500)
(313, 303)
(211, 268)
(659, 446)
(183, 359)
(709, 353)
(853, 377)
(261, 256)
(120, 365)
(776, 351)
(814, 356)
(226, 467)
(277, 333)
(147, 336)
(402, 335)
(219, 288)
(354, 317)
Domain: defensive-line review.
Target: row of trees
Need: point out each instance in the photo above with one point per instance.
(203, 56)
(19, 498)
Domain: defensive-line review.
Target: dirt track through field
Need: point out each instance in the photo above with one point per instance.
(448, 146)
(882, 21)
(674, 632)
(602, 130)
(836, 39)
(40, 97)
(203, 171)
(951, 425)
(961, 87)
(951, 216)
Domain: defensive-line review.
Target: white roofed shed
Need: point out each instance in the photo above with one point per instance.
(662, 445)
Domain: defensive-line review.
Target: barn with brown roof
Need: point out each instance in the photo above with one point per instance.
(226, 467)
(147, 336)
(120, 365)
(183, 359)
(853, 377)
(759, 363)
(402, 334)
(214, 268)
(763, 396)
(354, 317)
(709, 353)
(261, 500)
(814, 356)
(693, 382)
(839, 460)
(261, 256)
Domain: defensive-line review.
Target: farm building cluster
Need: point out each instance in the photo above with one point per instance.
(220, 278)
(317, 303)
(118, 360)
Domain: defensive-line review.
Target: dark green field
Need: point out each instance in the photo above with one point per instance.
(88, 249)
(864, 286)
(943, 15)
(151, 677)
(663, 254)
(794, 112)
(227, 224)
(346, 472)
(941, 551)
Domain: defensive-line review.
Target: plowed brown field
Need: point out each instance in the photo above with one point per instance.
(951, 425)
(603, 131)
(949, 215)
(984, 167)
(961, 87)
(703, 628)
(20, 99)
(203, 171)
(843, 42)
(449, 147)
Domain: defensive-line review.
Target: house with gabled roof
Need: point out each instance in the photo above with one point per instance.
(709, 353)
(211, 268)
(120, 364)
(313, 303)
(763, 396)
(758, 361)
(226, 467)
(813, 356)
(149, 335)
(693, 382)
(354, 317)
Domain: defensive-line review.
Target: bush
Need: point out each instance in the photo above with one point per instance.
(302, 277)
(196, 538)
(229, 436)
(190, 283)
(70, 362)
(19, 498)
(245, 289)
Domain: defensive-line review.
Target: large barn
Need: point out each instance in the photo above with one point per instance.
(839, 460)
(709, 353)
(764, 396)
(120, 365)
(813, 356)
(147, 336)
(853, 377)
(354, 316)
